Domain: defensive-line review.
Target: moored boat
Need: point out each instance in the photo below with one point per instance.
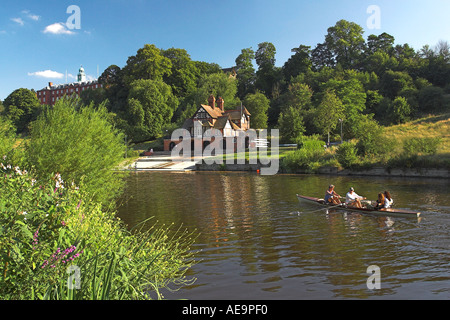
(343, 206)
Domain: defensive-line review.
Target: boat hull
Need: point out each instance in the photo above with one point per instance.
(383, 211)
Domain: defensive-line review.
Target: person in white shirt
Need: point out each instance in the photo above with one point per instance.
(352, 199)
(388, 201)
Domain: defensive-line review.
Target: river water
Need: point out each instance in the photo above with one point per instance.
(256, 241)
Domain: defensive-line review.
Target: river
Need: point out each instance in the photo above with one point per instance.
(256, 241)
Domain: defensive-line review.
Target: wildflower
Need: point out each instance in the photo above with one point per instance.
(61, 256)
(35, 239)
(63, 223)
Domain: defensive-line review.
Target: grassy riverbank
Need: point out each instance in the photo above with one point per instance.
(422, 143)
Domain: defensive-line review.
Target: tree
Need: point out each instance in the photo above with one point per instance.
(183, 75)
(267, 75)
(22, 106)
(257, 104)
(401, 110)
(345, 40)
(383, 42)
(393, 82)
(218, 85)
(299, 62)
(328, 113)
(352, 95)
(80, 144)
(148, 63)
(290, 124)
(245, 72)
(158, 104)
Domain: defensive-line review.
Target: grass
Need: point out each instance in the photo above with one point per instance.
(433, 126)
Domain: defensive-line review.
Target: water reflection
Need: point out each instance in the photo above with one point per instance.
(258, 242)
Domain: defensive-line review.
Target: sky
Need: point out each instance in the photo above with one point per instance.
(48, 40)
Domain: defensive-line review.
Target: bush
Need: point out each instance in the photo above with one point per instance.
(346, 154)
(78, 142)
(49, 228)
(421, 145)
(308, 157)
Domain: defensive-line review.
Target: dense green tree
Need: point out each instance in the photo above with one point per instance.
(22, 106)
(322, 56)
(352, 95)
(257, 104)
(345, 40)
(383, 42)
(431, 99)
(291, 126)
(299, 62)
(183, 75)
(80, 144)
(400, 111)
(267, 75)
(393, 82)
(158, 104)
(218, 85)
(329, 112)
(245, 72)
(148, 63)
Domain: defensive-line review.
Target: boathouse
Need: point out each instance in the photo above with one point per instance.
(209, 118)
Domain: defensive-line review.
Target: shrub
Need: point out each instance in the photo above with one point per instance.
(421, 145)
(346, 154)
(78, 142)
(308, 157)
(49, 228)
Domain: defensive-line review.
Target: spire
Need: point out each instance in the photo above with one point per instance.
(81, 75)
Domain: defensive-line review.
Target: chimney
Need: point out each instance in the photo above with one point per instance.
(220, 103)
(50, 84)
(212, 101)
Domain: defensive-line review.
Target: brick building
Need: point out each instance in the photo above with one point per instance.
(50, 94)
(213, 117)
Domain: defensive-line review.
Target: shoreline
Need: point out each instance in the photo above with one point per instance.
(167, 165)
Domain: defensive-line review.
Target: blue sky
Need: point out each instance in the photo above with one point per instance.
(37, 47)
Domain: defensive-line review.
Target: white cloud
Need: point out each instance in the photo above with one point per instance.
(31, 16)
(47, 74)
(57, 28)
(18, 20)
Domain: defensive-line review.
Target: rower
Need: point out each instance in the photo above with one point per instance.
(331, 197)
(352, 199)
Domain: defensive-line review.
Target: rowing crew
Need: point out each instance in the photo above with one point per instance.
(352, 199)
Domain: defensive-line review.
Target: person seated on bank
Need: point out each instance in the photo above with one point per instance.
(352, 199)
(331, 197)
(381, 201)
(388, 201)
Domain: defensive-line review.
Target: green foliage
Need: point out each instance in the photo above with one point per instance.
(22, 106)
(151, 105)
(400, 111)
(149, 63)
(79, 143)
(290, 124)
(347, 154)
(308, 157)
(328, 113)
(257, 104)
(421, 146)
(49, 228)
(371, 140)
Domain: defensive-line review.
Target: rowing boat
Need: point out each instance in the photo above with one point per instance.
(343, 206)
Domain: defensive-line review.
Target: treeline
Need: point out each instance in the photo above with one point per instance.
(342, 82)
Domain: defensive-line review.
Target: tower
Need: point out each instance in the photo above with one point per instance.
(81, 75)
